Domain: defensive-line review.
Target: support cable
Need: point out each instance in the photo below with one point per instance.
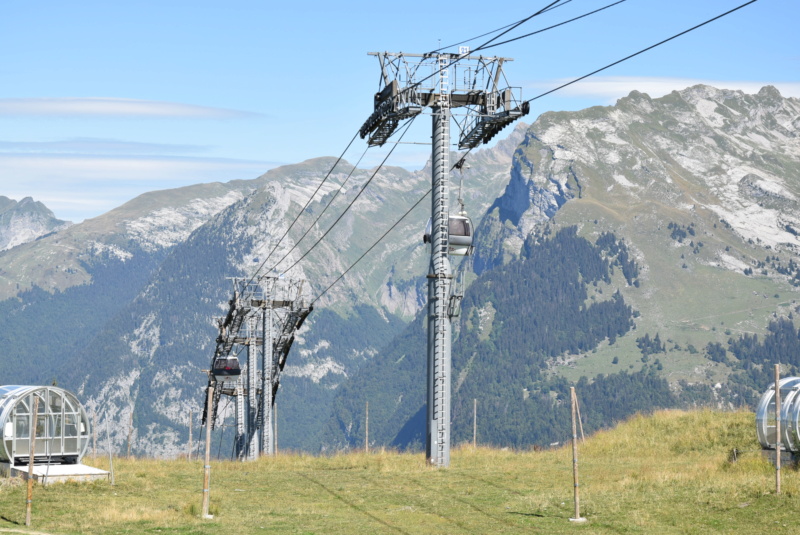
(545, 10)
(330, 203)
(363, 188)
(511, 27)
(372, 246)
(311, 198)
(553, 26)
(642, 51)
(461, 160)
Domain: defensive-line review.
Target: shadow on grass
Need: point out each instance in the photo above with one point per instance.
(10, 521)
(351, 504)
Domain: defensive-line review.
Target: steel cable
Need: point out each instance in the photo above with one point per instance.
(358, 195)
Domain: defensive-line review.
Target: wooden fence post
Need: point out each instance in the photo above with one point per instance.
(32, 453)
(207, 465)
(474, 423)
(777, 429)
(574, 405)
(189, 455)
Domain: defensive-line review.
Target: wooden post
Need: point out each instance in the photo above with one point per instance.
(130, 430)
(94, 436)
(189, 455)
(110, 457)
(777, 429)
(474, 423)
(580, 420)
(32, 453)
(207, 466)
(573, 403)
(366, 433)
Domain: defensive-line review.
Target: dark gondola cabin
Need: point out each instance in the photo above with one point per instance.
(226, 369)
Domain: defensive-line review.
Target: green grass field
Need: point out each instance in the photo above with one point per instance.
(667, 473)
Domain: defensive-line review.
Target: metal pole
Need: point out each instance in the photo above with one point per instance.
(574, 403)
(252, 399)
(366, 434)
(474, 423)
(32, 453)
(268, 373)
(777, 429)
(207, 465)
(439, 275)
(110, 457)
(130, 430)
(189, 455)
(94, 436)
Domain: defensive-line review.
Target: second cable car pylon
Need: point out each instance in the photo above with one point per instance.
(410, 83)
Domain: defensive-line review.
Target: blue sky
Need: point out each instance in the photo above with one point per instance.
(103, 101)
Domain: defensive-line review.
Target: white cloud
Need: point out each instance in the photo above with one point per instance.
(610, 88)
(113, 107)
(77, 187)
(96, 146)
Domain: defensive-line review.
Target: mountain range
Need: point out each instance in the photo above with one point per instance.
(646, 252)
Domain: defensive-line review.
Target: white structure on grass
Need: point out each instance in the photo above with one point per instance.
(62, 427)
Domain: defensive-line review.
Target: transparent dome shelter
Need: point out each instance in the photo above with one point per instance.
(62, 427)
(790, 416)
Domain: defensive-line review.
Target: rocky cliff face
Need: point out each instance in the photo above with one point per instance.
(24, 221)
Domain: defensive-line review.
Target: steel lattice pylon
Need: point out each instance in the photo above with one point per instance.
(262, 318)
(443, 82)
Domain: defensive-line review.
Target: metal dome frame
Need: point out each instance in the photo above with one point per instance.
(790, 416)
(62, 426)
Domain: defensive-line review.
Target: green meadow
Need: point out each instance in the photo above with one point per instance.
(670, 472)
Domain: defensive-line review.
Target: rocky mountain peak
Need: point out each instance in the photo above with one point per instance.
(24, 221)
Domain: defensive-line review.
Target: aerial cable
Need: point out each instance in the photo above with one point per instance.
(513, 26)
(341, 186)
(641, 51)
(518, 24)
(461, 160)
(371, 247)
(339, 159)
(553, 26)
(493, 31)
(363, 188)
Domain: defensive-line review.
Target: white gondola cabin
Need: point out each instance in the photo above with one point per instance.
(459, 238)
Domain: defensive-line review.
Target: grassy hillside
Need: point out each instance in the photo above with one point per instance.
(666, 473)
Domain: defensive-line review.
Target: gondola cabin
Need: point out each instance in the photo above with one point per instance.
(459, 237)
(226, 369)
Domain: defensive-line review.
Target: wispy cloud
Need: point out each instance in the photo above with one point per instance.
(77, 187)
(97, 146)
(113, 107)
(610, 88)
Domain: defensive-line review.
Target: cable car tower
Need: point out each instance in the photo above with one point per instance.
(263, 316)
(442, 82)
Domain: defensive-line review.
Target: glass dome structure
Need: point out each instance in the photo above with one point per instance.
(790, 416)
(62, 427)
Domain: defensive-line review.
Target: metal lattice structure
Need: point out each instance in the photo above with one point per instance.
(468, 89)
(263, 316)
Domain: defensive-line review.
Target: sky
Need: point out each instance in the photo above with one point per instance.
(103, 101)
